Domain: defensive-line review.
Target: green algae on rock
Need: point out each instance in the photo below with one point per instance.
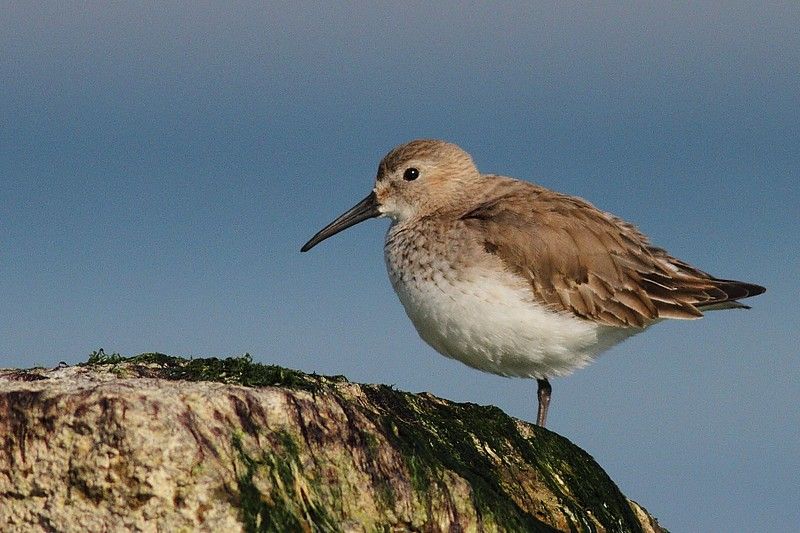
(166, 443)
(232, 370)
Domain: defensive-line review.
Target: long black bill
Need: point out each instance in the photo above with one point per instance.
(366, 208)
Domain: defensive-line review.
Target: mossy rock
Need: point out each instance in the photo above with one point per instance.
(237, 445)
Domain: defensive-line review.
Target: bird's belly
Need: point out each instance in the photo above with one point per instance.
(488, 321)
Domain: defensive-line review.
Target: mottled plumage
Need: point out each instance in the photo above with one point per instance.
(514, 279)
(588, 262)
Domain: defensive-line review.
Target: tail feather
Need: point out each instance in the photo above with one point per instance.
(733, 291)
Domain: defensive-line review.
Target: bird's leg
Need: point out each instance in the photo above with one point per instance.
(544, 400)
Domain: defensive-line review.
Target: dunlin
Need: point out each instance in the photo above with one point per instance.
(514, 279)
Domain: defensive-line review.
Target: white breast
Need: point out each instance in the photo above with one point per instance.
(489, 321)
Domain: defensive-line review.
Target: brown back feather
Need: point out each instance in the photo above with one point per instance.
(597, 266)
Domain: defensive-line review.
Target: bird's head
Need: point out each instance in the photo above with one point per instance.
(414, 180)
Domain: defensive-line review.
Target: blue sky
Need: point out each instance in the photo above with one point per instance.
(160, 167)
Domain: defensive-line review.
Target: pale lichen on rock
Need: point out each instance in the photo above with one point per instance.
(158, 443)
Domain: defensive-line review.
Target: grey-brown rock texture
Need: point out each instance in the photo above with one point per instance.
(157, 443)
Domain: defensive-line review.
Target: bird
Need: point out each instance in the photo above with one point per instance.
(515, 279)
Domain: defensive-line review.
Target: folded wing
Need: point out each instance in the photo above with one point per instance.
(582, 260)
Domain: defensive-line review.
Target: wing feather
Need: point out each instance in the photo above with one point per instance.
(581, 260)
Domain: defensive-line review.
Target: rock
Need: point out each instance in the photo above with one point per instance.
(157, 443)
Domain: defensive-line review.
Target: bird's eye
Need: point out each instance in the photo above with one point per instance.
(411, 174)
